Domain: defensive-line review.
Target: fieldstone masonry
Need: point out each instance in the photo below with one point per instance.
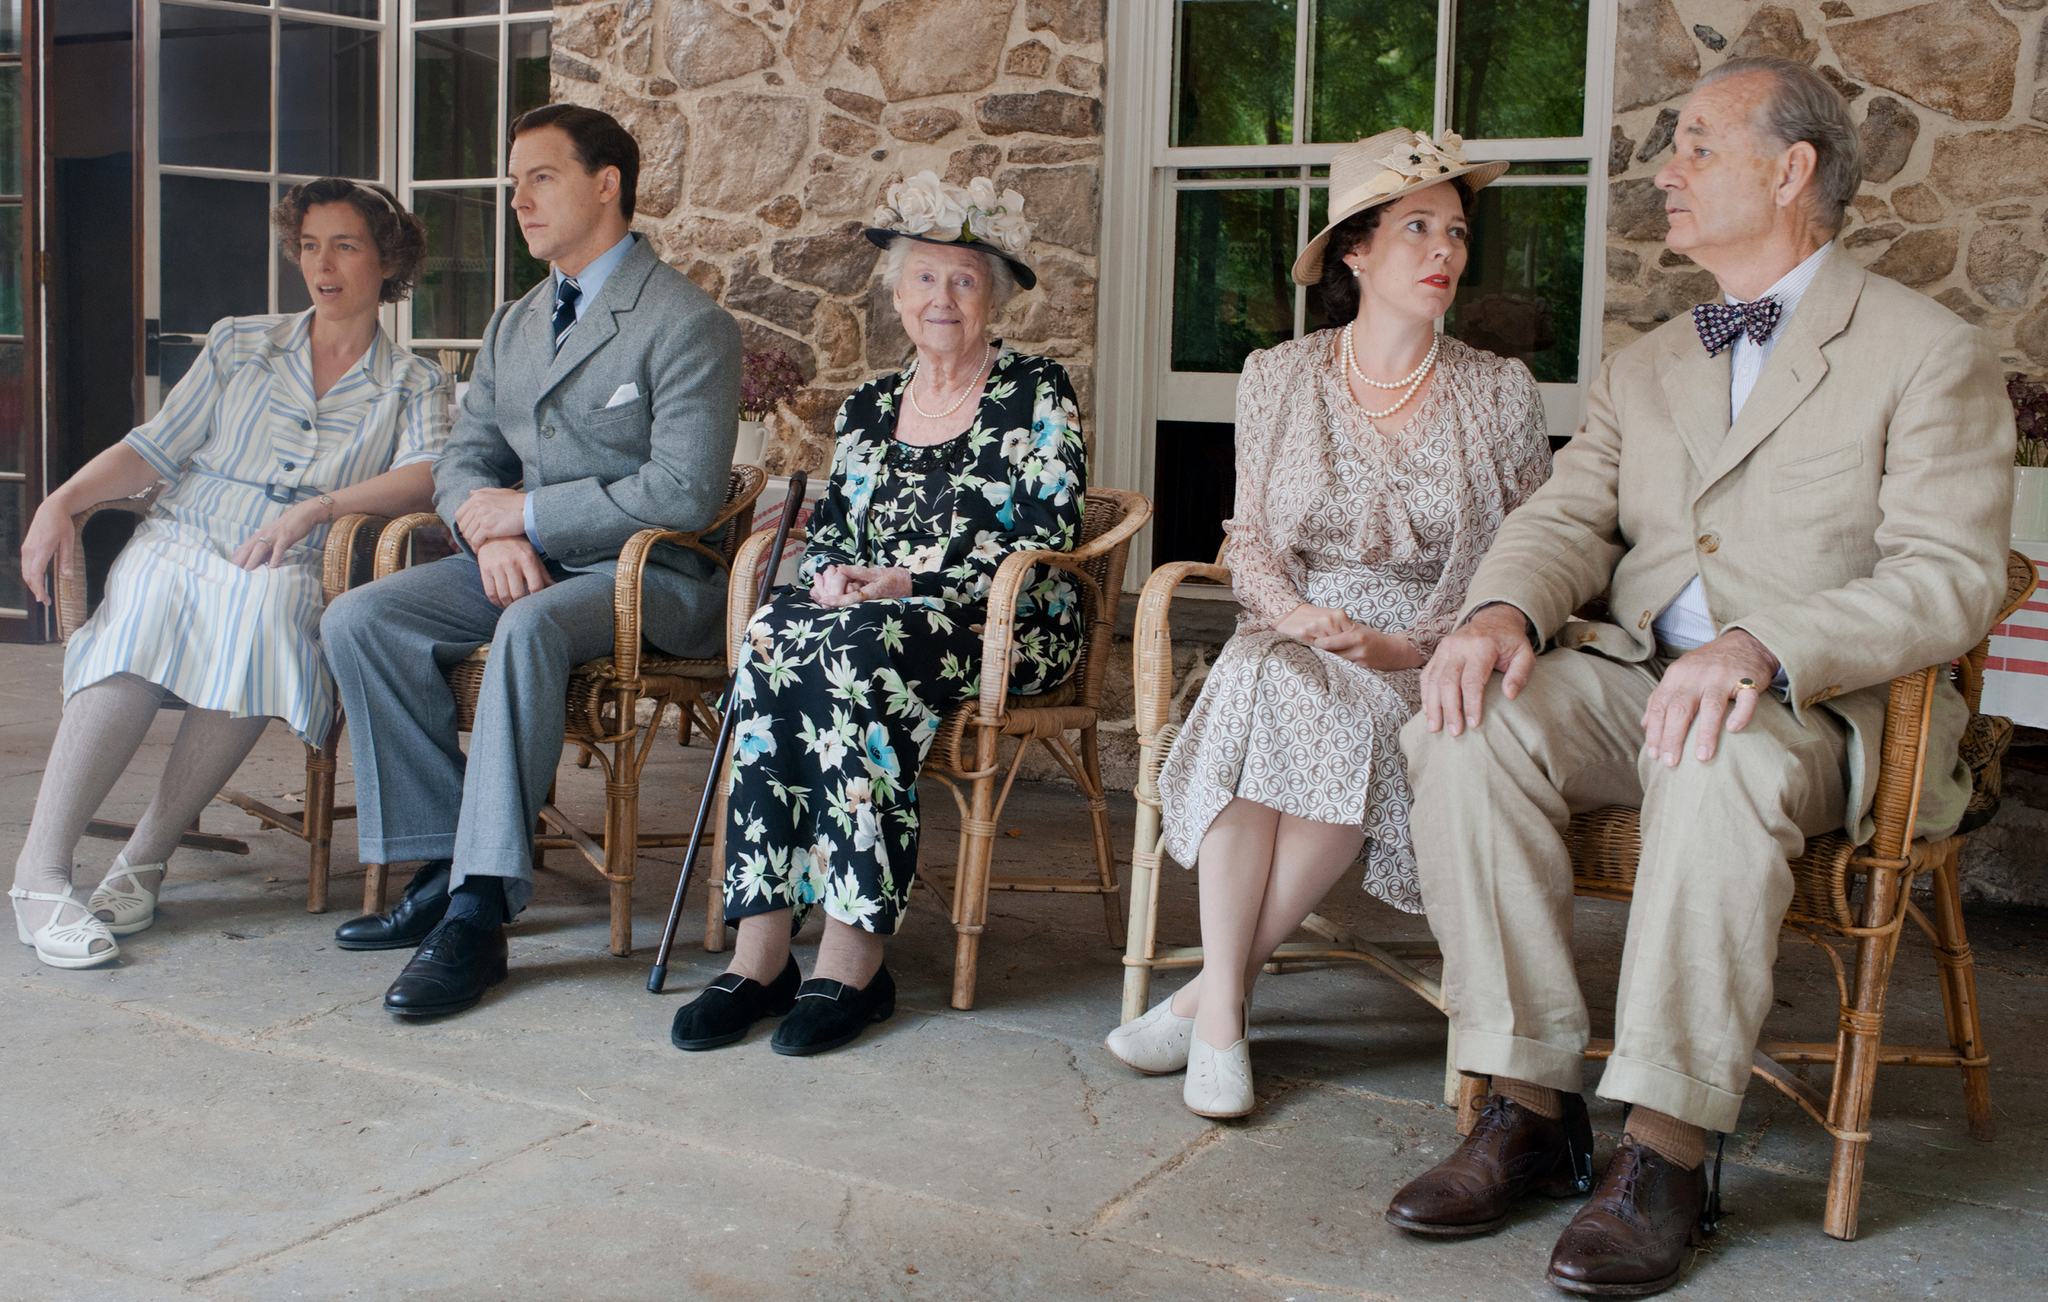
(1952, 98)
(770, 129)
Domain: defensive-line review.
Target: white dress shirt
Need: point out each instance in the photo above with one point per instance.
(1686, 623)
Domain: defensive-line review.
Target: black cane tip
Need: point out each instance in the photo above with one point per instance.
(657, 978)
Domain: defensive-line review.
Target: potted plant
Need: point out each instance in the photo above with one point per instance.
(766, 379)
(2030, 481)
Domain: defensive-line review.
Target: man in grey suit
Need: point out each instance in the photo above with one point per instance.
(609, 396)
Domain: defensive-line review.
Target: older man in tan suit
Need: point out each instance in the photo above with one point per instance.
(1789, 499)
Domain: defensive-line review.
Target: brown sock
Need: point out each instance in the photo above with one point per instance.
(1539, 1099)
(1678, 1142)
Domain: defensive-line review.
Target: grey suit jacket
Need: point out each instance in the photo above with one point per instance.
(1854, 519)
(600, 474)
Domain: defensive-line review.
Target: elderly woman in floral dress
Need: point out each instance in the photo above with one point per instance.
(941, 471)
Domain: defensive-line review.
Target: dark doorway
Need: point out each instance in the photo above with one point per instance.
(1194, 483)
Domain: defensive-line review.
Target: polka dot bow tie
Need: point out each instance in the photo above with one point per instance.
(1720, 324)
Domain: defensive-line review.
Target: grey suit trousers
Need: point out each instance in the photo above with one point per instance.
(1711, 888)
(417, 797)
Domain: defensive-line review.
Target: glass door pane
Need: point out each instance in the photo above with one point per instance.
(327, 109)
(213, 108)
(427, 11)
(1520, 69)
(455, 103)
(1521, 291)
(1375, 68)
(453, 299)
(527, 87)
(345, 8)
(1234, 72)
(213, 260)
(1231, 288)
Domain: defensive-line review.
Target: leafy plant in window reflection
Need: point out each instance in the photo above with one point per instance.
(1519, 296)
(2030, 415)
(1520, 68)
(1235, 74)
(1231, 292)
(1375, 68)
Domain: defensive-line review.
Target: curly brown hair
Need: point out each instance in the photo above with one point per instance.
(1340, 288)
(400, 236)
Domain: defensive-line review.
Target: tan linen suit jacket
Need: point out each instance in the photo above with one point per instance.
(1855, 520)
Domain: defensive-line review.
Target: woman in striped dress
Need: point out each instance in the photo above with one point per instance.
(283, 424)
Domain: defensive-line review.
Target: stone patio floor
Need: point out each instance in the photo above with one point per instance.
(229, 1114)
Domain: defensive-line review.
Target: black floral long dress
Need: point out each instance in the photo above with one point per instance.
(838, 707)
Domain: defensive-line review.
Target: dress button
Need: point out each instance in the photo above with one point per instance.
(1709, 543)
(288, 465)
(305, 424)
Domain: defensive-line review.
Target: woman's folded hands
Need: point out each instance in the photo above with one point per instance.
(844, 585)
(1334, 631)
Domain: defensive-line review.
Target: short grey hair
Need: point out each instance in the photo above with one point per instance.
(1002, 282)
(1802, 106)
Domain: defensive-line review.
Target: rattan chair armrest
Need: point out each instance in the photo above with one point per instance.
(339, 569)
(69, 589)
(393, 550)
(740, 591)
(999, 628)
(2021, 581)
(1902, 760)
(1152, 641)
(626, 589)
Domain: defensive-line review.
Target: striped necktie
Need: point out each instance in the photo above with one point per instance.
(567, 291)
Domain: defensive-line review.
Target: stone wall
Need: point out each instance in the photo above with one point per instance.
(770, 128)
(1951, 97)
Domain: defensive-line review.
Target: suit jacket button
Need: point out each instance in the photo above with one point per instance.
(547, 431)
(1709, 542)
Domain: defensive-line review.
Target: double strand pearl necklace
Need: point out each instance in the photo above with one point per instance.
(1407, 385)
(910, 387)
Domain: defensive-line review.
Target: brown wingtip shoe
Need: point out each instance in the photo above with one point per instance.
(1630, 1238)
(1510, 1152)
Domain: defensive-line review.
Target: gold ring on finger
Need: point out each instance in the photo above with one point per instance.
(1745, 684)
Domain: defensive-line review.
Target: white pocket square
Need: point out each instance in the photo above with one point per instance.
(625, 394)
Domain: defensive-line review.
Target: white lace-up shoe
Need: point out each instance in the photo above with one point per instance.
(1219, 1082)
(1156, 1043)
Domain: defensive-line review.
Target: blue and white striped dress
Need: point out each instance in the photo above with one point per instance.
(177, 611)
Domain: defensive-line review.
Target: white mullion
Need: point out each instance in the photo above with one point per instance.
(501, 113)
(1300, 242)
(311, 15)
(1304, 18)
(1446, 25)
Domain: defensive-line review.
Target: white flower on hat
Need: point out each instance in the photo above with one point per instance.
(936, 209)
(928, 206)
(1008, 231)
(981, 193)
(1425, 157)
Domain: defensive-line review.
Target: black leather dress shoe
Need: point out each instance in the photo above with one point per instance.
(831, 1013)
(456, 964)
(407, 923)
(729, 1006)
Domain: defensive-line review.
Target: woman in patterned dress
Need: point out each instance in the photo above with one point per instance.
(940, 472)
(1374, 464)
(283, 424)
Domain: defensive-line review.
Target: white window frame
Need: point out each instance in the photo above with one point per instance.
(390, 30)
(408, 101)
(1135, 386)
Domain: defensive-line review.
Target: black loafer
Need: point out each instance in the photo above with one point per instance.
(729, 1006)
(829, 1014)
(455, 965)
(407, 923)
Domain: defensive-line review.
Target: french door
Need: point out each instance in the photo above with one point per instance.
(21, 469)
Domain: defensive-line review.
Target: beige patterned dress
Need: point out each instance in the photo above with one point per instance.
(1386, 529)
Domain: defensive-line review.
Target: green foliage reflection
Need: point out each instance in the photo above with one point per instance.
(1231, 292)
(1234, 73)
(1519, 296)
(1375, 68)
(1520, 69)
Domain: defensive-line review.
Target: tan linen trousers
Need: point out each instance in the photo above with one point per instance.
(1711, 889)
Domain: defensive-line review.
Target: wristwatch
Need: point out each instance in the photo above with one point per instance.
(328, 502)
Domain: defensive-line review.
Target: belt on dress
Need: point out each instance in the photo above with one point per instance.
(283, 494)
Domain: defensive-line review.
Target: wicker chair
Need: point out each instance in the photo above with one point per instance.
(605, 696)
(965, 751)
(1606, 844)
(348, 561)
(1152, 654)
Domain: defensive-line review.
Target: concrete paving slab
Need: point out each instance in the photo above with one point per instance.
(35, 1271)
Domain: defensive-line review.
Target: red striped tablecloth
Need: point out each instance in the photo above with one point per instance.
(2016, 675)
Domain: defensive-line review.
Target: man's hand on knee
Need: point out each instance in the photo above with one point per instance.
(1495, 639)
(1707, 681)
(511, 570)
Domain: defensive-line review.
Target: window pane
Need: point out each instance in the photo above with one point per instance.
(291, 286)
(455, 104)
(1231, 291)
(531, 6)
(1234, 70)
(10, 26)
(527, 87)
(346, 8)
(214, 107)
(453, 299)
(10, 128)
(10, 269)
(1520, 69)
(425, 11)
(216, 252)
(1375, 68)
(14, 594)
(13, 408)
(1519, 296)
(522, 270)
(326, 100)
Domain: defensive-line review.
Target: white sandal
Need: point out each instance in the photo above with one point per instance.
(67, 945)
(133, 907)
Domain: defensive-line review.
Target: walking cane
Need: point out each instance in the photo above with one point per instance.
(659, 976)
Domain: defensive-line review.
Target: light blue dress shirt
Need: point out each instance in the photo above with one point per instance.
(589, 282)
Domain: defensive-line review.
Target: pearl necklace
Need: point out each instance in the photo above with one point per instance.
(1407, 385)
(910, 387)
